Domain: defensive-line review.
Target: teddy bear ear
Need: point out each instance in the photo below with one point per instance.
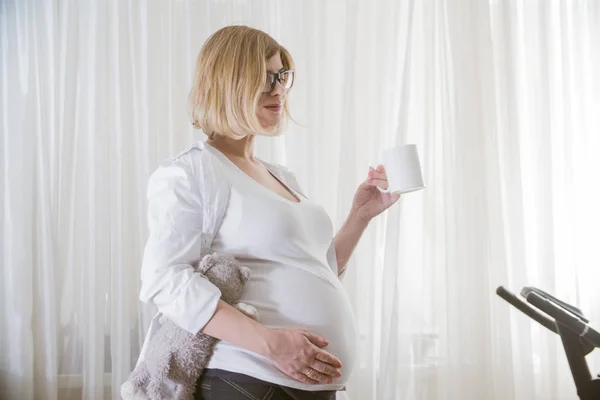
(206, 264)
(244, 273)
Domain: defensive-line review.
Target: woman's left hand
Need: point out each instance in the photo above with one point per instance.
(369, 201)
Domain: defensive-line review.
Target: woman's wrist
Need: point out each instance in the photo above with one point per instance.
(262, 339)
(356, 218)
(231, 325)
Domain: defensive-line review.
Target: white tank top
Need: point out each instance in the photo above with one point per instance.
(285, 244)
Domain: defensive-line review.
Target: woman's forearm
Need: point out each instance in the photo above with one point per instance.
(347, 238)
(293, 351)
(233, 326)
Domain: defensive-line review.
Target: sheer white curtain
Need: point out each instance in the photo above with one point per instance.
(502, 97)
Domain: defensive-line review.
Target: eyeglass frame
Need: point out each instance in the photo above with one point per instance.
(277, 76)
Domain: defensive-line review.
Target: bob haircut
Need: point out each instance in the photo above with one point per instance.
(229, 80)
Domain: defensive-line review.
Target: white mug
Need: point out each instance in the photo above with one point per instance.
(403, 169)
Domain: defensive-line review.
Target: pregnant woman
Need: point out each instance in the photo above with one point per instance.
(304, 345)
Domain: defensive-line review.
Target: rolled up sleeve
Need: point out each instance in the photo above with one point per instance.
(175, 213)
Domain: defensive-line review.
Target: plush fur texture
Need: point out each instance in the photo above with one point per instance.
(175, 358)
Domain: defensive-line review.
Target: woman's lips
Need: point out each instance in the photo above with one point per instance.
(274, 108)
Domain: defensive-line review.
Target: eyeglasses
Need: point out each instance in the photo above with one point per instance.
(285, 78)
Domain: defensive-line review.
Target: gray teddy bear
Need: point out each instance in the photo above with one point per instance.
(175, 358)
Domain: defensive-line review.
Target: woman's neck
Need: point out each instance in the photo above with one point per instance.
(240, 149)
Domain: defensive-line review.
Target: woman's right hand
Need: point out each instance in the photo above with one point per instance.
(299, 354)
(295, 351)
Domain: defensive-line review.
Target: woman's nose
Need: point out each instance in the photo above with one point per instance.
(278, 89)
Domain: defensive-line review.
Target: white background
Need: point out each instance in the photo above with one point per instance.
(502, 98)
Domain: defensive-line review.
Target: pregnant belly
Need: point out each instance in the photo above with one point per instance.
(293, 297)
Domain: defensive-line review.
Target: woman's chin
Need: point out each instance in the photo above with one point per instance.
(272, 128)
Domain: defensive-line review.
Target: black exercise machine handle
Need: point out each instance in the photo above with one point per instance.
(569, 320)
(572, 309)
(578, 338)
(526, 308)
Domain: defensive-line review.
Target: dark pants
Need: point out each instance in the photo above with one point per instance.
(215, 384)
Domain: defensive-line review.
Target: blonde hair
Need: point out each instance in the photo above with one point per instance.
(229, 80)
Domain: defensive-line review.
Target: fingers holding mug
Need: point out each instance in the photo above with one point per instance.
(378, 177)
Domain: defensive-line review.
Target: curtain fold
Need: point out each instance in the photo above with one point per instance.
(501, 97)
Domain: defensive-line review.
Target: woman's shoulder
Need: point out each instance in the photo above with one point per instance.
(195, 160)
(193, 154)
(190, 180)
(194, 164)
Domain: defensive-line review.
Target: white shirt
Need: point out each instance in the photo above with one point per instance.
(293, 284)
(201, 202)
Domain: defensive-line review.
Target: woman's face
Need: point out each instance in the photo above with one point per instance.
(270, 105)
